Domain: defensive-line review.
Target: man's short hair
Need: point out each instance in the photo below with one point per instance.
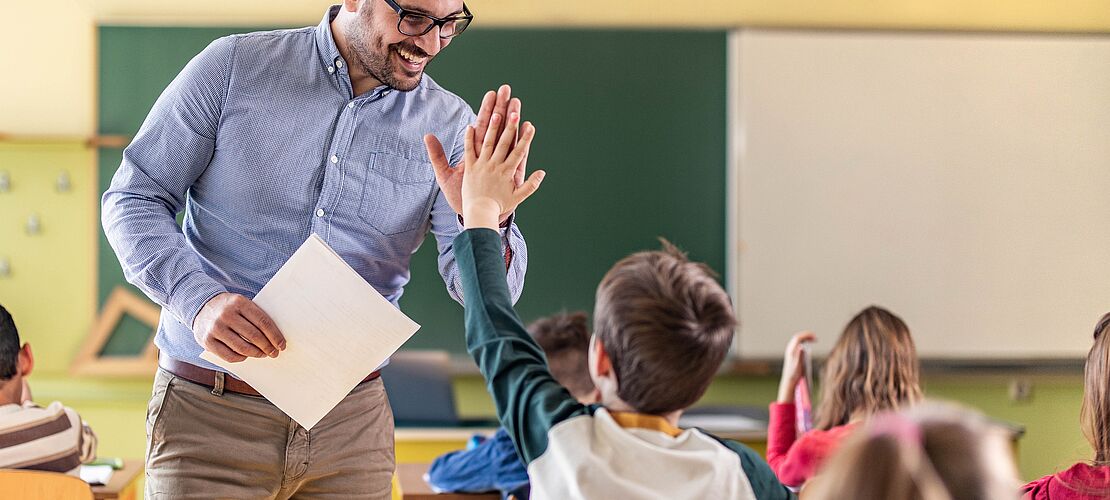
(9, 345)
(666, 325)
(565, 339)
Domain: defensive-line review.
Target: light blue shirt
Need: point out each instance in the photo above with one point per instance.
(261, 142)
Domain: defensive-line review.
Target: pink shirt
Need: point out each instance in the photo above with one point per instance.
(1080, 482)
(796, 459)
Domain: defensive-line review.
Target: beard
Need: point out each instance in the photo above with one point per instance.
(377, 60)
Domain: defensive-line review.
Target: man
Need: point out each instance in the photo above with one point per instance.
(31, 437)
(263, 139)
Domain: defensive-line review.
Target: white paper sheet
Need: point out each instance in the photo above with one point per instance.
(96, 474)
(337, 328)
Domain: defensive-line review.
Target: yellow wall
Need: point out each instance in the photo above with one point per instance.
(49, 47)
(50, 290)
(48, 67)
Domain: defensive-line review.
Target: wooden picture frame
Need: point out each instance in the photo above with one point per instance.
(120, 302)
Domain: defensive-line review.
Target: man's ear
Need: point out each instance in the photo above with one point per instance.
(26, 361)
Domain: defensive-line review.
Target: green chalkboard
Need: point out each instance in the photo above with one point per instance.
(631, 129)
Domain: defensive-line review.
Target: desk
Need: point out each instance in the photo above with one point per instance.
(424, 444)
(410, 479)
(123, 485)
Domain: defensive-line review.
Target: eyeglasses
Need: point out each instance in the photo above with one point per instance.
(414, 23)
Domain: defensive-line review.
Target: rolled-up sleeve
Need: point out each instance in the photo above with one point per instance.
(171, 150)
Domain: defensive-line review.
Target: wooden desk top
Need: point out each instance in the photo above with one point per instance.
(413, 487)
(120, 480)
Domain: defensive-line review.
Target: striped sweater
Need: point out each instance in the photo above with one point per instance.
(50, 439)
(576, 451)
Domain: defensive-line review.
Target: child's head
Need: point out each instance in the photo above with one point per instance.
(873, 367)
(565, 339)
(932, 452)
(15, 360)
(662, 326)
(1096, 393)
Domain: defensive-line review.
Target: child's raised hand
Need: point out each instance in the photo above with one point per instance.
(792, 367)
(488, 186)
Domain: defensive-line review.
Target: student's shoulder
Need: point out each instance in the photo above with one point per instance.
(32, 408)
(1092, 480)
(745, 452)
(30, 414)
(820, 438)
(762, 479)
(1037, 489)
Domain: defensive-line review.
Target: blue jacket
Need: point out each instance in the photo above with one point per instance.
(492, 465)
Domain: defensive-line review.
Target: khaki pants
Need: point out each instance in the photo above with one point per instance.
(203, 445)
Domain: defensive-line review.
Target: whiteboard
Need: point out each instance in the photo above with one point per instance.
(960, 180)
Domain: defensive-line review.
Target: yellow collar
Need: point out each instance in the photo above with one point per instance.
(645, 421)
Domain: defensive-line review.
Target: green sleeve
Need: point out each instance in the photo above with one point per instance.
(528, 399)
(763, 480)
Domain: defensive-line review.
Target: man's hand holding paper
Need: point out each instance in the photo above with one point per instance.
(337, 329)
(234, 328)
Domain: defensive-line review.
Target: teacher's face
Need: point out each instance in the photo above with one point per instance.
(393, 58)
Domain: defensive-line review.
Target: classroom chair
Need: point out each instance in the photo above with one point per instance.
(39, 485)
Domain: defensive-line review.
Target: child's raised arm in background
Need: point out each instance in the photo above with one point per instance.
(873, 367)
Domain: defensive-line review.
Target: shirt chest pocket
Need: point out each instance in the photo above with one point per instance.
(397, 193)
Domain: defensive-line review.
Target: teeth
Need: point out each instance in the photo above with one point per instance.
(408, 56)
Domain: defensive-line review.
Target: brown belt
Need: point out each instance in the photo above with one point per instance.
(207, 378)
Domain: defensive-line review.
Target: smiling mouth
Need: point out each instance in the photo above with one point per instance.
(412, 59)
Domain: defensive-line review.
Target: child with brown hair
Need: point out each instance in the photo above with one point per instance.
(932, 452)
(493, 464)
(1087, 480)
(872, 368)
(662, 326)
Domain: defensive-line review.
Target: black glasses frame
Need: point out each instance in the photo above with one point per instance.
(436, 22)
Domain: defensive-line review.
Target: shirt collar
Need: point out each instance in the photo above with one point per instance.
(645, 421)
(325, 42)
(11, 408)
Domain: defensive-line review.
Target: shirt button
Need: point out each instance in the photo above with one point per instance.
(331, 69)
(351, 104)
(339, 63)
(334, 159)
(385, 93)
(319, 212)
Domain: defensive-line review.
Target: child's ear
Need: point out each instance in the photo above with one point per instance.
(600, 363)
(26, 361)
